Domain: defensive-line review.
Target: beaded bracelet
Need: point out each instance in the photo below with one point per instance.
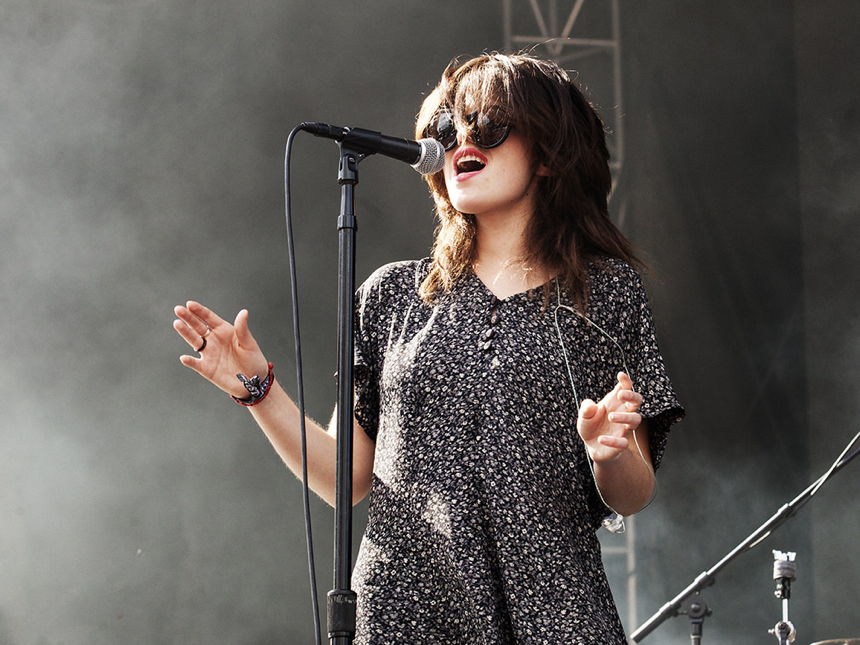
(257, 390)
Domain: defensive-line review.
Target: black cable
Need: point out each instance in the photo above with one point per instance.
(300, 388)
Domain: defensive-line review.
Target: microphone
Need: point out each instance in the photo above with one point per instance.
(427, 156)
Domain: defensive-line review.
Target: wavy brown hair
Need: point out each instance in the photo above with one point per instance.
(570, 225)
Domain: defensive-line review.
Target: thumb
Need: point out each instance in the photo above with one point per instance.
(243, 332)
(587, 409)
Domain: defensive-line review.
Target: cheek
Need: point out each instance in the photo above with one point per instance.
(517, 178)
(448, 175)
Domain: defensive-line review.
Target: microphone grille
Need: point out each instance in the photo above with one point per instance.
(432, 158)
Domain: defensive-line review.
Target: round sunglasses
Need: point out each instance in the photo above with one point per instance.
(483, 130)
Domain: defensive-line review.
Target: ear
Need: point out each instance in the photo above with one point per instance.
(542, 171)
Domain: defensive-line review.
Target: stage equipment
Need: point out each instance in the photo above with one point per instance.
(707, 578)
(342, 600)
(784, 572)
(426, 156)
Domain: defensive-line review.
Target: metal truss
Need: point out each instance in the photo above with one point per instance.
(586, 35)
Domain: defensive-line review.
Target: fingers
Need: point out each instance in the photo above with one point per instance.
(591, 412)
(606, 426)
(632, 400)
(630, 420)
(628, 415)
(189, 335)
(625, 393)
(194, 324)
(191, 362)
(192, 321)
(209, 317)
(616, 443)
(198, 318)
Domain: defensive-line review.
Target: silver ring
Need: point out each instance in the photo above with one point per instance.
(208, 329)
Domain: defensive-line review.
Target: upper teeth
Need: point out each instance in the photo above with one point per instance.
(467, 158)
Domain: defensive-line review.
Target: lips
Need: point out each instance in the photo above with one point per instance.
(468, 162)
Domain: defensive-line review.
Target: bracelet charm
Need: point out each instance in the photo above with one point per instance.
(257, 390)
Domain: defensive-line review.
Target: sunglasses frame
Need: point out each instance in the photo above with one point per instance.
(474, 132)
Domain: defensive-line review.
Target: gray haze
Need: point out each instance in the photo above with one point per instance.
(141, 164)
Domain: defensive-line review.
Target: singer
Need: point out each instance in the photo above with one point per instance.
(510, 394)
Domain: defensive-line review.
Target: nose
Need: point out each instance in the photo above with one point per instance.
(462, 138)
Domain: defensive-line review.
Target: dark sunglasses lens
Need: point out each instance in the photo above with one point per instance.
(484, 131)
(442, 129)
(489, 132)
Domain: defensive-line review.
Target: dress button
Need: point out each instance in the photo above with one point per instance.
(488, 345)
(490, 333)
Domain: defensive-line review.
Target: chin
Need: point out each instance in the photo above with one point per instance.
(465, 204)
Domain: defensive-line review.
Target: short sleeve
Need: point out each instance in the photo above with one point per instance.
(366, 364)
(660, 405)
(379, 303)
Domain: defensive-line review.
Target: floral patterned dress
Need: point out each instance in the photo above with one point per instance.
(483, 508)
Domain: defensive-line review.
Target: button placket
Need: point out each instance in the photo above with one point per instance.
(489, 335)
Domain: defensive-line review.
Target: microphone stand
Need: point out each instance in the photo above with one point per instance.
(784, 568)
(707, 578)
(341, 601)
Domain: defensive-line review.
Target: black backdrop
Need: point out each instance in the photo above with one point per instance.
(141, 149)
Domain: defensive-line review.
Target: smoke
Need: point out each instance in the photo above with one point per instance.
(141, 164)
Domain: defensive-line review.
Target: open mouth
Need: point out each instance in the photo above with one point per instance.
(469, 162)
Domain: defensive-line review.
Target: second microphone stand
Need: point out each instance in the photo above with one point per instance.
(707, 578)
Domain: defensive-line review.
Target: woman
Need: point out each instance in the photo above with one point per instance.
(475, 367)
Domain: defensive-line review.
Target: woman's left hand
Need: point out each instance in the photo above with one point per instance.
(605, 426)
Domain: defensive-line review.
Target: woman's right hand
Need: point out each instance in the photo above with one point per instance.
(228, 350)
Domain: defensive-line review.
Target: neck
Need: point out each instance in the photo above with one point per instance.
(499, 241)
(500, 261)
